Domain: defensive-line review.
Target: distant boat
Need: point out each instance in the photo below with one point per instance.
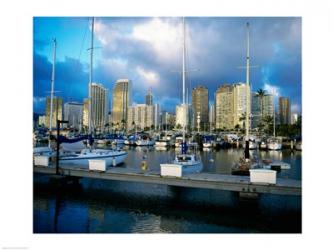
(178, 141)
(263, 144)
(253, 144)
(162, 143)
(131, 139)
(298, 146)
(274, 143)
(145, 142)
(208, 141)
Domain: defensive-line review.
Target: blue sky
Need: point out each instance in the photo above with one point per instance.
(147, 50)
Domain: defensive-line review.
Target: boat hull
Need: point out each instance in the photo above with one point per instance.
(144, 143)
(274, 146)
(112, 158)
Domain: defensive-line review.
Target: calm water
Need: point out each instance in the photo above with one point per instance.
(75, 211)
(220, 161)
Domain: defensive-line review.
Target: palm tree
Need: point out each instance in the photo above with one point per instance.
(261, 93)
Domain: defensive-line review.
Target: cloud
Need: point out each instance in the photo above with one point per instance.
(163, 35)
(271, 89)
(148, 76)
(148, 51)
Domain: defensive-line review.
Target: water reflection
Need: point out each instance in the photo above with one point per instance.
(80, 215)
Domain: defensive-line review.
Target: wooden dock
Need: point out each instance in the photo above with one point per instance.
(198, 180)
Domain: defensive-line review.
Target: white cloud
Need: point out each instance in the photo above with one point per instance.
(148, 76)
(106, 34)
(271, 89)
(163, 35)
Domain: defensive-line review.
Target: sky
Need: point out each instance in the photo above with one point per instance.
(148, 51)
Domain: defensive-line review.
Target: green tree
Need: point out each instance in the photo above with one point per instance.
(267, 124)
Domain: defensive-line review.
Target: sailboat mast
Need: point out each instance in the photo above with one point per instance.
(247, 82)
(52, 87)
(274, 113)
(183, 74)
(91, 72)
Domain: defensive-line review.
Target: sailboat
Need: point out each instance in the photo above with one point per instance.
(242, 167)
(113, 157)
(274, 143)
(184, 162)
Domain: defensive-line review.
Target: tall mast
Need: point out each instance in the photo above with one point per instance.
(183, 74)
(247, 82)
(273, 112)
(91, 72)
(52, 87)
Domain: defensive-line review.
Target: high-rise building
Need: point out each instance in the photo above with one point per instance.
(267, 108)
(200, 106)
(224, 107)
(121, 100)
(73, 113)
(99, 106)
(167, 120)
(240, 91)
(284, 110)
(149, 98)
(156, 115)
(85, 118)
(41, 121)
(212, 116)
(182, 111)
(142, 116)
(294, 118)
(57, 111)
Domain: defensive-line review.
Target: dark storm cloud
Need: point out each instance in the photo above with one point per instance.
(71, 80)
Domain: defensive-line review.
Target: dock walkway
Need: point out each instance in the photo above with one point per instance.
(198, 180)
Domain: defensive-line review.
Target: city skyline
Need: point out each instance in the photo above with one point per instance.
(129, 48)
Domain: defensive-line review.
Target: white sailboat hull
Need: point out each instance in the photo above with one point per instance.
(82, 159)
(274, 146)
(207, 145)
(144, 143)
(162, 143)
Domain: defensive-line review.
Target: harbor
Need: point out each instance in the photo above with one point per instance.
(226, 154)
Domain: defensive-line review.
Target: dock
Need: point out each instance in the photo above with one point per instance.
(196, 180)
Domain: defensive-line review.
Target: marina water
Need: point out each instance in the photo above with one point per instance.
(80, 210)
